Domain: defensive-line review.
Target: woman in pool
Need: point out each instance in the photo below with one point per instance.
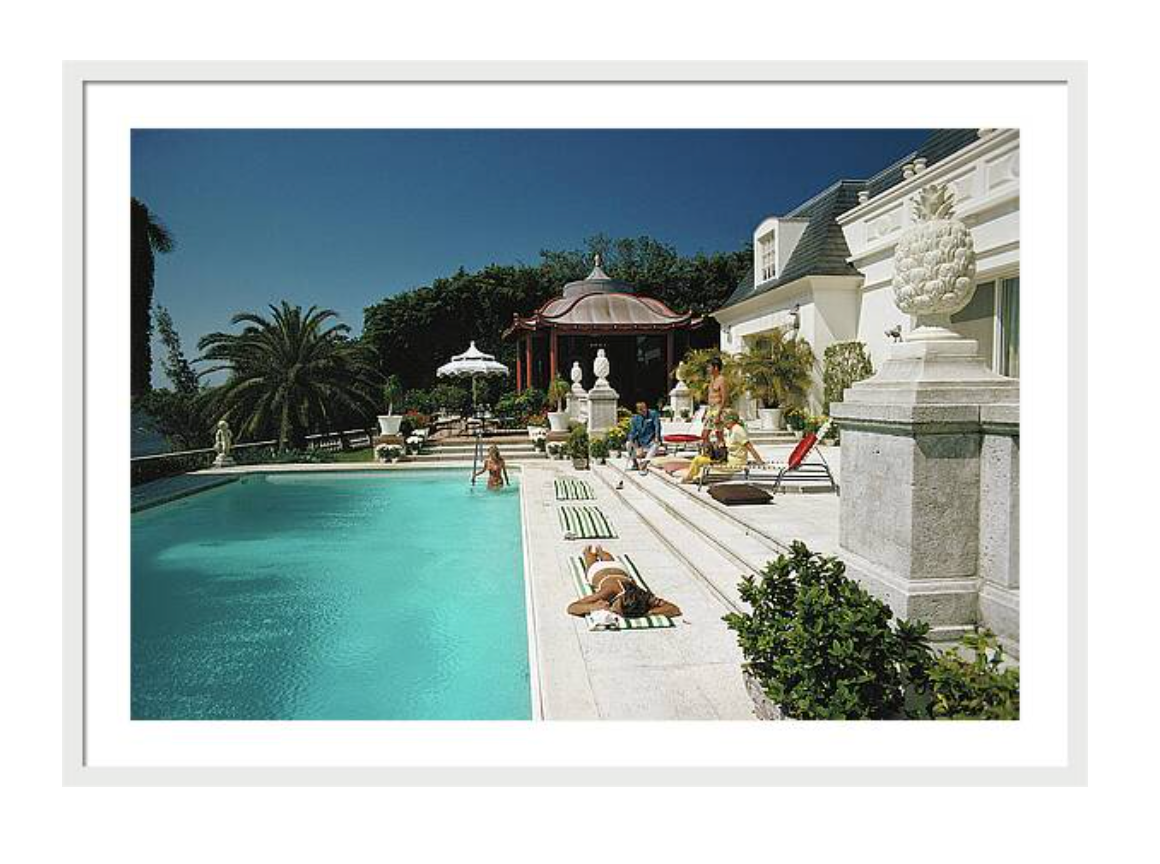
(613, 590)
(495, 468)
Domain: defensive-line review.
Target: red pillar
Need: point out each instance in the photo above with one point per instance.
(668, 359)
(552, 354)
(529, 380)
(519, 368)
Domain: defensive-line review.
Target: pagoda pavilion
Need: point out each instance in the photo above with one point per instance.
(642, 337)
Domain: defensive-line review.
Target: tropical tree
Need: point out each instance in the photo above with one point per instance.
(778, 369)
(147, 236)
(290, 373)
(177, 412)
(694, 371)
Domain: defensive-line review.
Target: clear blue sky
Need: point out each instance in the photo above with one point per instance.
(342, 218)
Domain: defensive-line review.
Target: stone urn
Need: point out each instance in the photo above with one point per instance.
(558, 421)
(934, 265)
(389, 424)
(769, 419)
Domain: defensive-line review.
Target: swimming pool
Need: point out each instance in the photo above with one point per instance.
(331, 597)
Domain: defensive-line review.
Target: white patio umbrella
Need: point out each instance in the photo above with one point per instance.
(472, 364)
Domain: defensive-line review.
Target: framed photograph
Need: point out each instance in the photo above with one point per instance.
(476, 415)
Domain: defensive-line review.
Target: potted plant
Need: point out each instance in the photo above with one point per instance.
(778, 370)
(578, 446)
(392, 392)
(795, 421)
(537, 426)
(615, 440)
(598, 449)
(558, 391)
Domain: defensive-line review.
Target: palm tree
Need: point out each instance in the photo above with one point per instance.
(292, 372)
(147, 235)
(694, 371)
(778, 369)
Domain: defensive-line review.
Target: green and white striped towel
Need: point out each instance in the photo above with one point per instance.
(583, 589)
(585, 523)
(573, 489)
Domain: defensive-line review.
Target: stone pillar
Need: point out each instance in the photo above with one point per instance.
(680, 398)
(912, 441)
(602, 399)
(999, 523)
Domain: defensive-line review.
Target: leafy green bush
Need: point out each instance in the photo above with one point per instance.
(820, 645)
(598, 448)
(843, 365)
(975, 687)
(421, 401)
(795, 418)
(273, 456)
(577, 443)
(616, 438)
(451, 397)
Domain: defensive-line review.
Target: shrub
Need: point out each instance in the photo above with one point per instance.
(843, 365)
(795, 419)
(577, 444)
(820, 646)
(598, 448)
(452, 398)
(274, 456)
(558, 390)
(392, 392)
(777, 369)
(976, 687)
(421, 401)
(616, 438)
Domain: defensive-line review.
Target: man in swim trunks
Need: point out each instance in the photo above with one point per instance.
(614, 590)
(718, 399)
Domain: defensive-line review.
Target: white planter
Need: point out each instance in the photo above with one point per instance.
(558, 421)
(770, 418)
(389, 423)
(536, 432)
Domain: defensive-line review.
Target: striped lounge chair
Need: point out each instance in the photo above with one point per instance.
(581, 587)
(573, 489)
(585, 523)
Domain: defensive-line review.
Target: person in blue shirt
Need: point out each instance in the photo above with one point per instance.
(644, 436)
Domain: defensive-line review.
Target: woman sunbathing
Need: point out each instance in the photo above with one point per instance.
(614, 590)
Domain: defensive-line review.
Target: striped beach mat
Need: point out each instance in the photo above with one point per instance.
(573, 489)
(584, 523)
(583, 589)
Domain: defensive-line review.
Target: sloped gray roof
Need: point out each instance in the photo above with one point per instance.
(822, 250)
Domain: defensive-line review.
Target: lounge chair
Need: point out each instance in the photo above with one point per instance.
(795, 468)
(679, 434)
(583, 589)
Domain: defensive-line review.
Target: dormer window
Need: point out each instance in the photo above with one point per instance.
(767, 252)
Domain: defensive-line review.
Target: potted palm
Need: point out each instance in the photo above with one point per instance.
(778, 370)
(392, 392)
(558, 391)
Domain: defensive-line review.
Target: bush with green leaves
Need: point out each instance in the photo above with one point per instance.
(843, 365)
(598, 448)
(821, 647)
(577, 443)
(975, 687)
(615, 439)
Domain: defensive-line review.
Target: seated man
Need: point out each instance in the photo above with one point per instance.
(739, 449)
(614, 590)
(644, 437)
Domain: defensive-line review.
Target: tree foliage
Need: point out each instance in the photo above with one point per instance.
(416, 331)
(147, 236)
(289, 374)
(778, 369)
(843, 365)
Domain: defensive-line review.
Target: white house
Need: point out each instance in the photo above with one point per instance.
(825, 268)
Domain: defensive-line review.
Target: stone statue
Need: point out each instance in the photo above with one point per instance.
(577, 374)
(601, 367)
(934, 265)
(578, 397)
(223, 442)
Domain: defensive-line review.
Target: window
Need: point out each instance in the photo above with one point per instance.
(1007, 336)
(768, 250)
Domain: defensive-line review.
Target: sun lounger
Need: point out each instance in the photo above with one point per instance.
(573, 489)
(585, 523)
(796, 468)
(583, 589)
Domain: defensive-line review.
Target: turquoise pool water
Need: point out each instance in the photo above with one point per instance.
(331, 597)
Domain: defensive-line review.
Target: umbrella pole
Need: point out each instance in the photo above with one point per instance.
(478, 434)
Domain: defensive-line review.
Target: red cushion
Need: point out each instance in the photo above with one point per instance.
(682, 439)
(802, 450)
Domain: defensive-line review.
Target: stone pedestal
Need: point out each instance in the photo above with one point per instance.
(578, 404)
(223, 460)
(681, 399)
(390, 440)
(913, 480)
(602, 402)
